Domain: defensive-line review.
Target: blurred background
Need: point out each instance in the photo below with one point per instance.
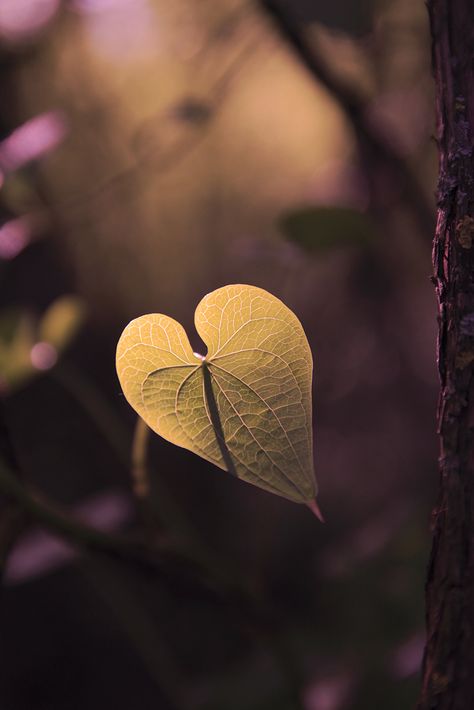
(151, 152)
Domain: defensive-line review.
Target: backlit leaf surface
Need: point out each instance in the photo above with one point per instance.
(259, 366)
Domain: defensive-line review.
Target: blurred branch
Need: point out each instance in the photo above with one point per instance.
(180, 571)
(197, 112)
(192, 571)
(90, 539)
(354, 107)
(59, 522)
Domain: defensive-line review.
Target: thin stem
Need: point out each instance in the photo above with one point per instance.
(151, 519)
(140, 474)
(157, 505)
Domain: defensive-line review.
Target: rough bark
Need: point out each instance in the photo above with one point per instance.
(448, 673)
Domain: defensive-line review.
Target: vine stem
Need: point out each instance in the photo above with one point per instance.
(140, 475)
(195, 571)
(237, 598)
(154, 559)
(43, 512)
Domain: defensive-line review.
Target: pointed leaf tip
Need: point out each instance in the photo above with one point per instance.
(314, 508)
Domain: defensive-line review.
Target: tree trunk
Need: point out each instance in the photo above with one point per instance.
(448, 672)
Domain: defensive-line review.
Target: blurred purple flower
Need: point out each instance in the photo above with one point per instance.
(15, 235)
(43, 356)
(21, 19)
(32, 140)
(119, 29)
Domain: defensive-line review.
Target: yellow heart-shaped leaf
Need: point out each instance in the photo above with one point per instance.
(246, 405)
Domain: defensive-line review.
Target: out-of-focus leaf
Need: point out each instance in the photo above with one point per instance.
(61, 322)
(246, 405)
(18, 194)
(28, 347)
(320, 229)
(17, 337)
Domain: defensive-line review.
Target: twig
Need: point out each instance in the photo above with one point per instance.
(59, 522)
(355, 108)
(155, 516)
(173, 568)
(161, 562)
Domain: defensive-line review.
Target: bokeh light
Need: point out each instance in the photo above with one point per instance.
(32, 140)
(22, 19)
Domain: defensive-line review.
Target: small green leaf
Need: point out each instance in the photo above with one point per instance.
(324, 228)
(246, 405)
(61, 322)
